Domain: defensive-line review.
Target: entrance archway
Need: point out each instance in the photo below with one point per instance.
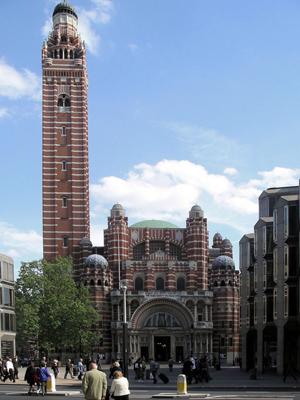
(162, 348)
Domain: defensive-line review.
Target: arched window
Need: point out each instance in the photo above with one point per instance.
(222, 283)
(138, 283)
(106, 283)
(55, 53)
(64, 165)
(160, 283)
(64, 202)
(63, 39)
(65, 241)
(63, 103)
(71, 54)
(63, 129)
(230, 283)
(66, 54)
(215, 284)
(99, 282)
(92, 282)
(180, 284)
(60, 54)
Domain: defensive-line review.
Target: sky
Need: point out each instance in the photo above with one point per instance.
(190, 102)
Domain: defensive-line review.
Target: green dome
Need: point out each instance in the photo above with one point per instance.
(64, 7)
(154, 224)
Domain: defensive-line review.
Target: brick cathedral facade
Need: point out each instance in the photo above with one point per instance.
(183, 296)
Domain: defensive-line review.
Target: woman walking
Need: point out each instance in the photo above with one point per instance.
(120, 386)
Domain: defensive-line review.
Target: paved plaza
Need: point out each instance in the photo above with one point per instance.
(229, 377)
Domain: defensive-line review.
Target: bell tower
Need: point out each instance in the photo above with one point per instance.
(66, 215)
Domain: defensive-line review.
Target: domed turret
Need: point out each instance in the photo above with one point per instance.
(64, 7)
(117, 211)
(96, 261)
(85, 241)
(217, 240)
(226, 243)
(196, 212)
(223, 262)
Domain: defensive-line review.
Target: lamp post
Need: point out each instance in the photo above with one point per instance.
(123, 287)
(192, 339)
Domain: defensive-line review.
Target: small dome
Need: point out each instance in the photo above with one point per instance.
(196, 212)
(226, 242)
(218, 236)
(117, 211)
(85, 241)
(96, 261)
(196, 207)
(64, 7)
(117, 207)
(223, 262)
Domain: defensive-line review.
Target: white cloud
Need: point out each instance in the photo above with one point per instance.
(170, 188)
(18, 242)
(3, 112)
(230, 171)
(88, 20)
(16, 85)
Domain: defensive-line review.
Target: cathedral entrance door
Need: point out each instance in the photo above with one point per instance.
(162, 348)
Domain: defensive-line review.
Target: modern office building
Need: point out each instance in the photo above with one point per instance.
(182, 296)
(269, 264)
(7, 310)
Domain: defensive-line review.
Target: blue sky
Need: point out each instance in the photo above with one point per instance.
(189, 102)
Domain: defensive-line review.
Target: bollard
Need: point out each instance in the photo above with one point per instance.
(51, 383)
(181, 384)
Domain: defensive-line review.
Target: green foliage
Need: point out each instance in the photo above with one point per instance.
(52, 308)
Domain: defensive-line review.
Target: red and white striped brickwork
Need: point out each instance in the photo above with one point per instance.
(66, 218)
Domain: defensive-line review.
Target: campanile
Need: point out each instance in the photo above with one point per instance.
(66, 216)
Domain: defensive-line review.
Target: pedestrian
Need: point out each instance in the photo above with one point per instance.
(116, 367)
(120, 386)
(16, 363)
(154, 367)
(138, 369)
(80, 369)
(1, 369)
(9, 371)
(194, 371)
(290, 369)
(187, 370)
(69, 369)
(171, 363)
(29, 377)
(44, 376)
(94, 384)
(55, 368)
(43, 362)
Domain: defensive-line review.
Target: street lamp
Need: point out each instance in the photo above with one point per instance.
(124, 286)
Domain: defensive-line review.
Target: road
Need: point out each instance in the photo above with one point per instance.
(17, 392)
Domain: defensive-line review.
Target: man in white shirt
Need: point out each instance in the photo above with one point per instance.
(9, 371)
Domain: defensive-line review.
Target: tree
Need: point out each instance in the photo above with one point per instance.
(52, 308)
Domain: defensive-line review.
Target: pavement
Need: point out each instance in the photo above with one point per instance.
(229, 377)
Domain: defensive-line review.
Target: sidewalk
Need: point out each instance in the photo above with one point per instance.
(229, 377)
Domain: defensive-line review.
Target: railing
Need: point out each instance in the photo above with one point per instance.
(63, 109)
